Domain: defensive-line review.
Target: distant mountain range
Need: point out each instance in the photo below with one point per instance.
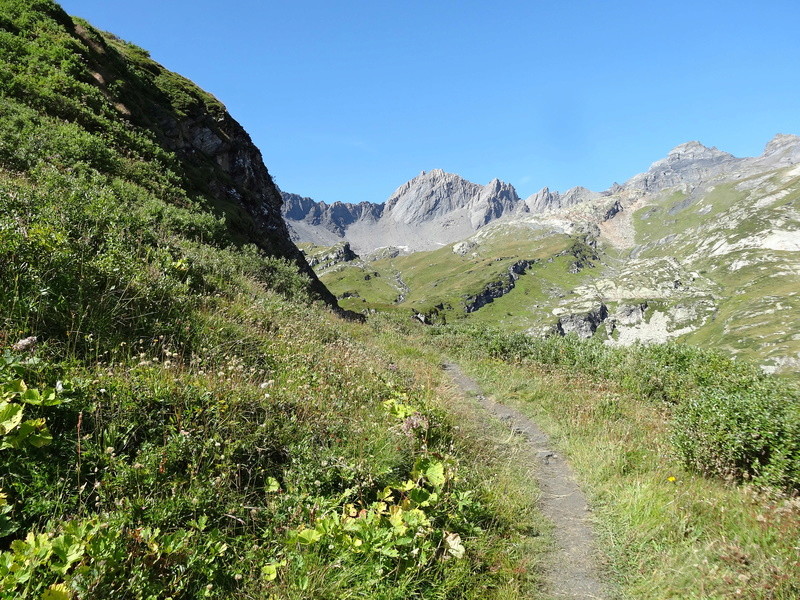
(703, 247)
(437, 208)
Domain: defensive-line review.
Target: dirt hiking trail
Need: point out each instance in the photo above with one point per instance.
(572, 571)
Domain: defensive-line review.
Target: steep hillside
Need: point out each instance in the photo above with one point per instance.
(179, 416)
(74, 96)
(703, 247)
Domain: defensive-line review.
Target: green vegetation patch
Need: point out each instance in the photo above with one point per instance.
(644, 429)
(178, 419)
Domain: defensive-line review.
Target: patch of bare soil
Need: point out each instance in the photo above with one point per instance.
(573, 572)
(619, 230)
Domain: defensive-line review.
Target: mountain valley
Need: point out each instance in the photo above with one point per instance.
(187, 410)
(703, 247)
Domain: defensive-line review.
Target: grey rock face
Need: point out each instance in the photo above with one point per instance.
(584, 324)
(544, 200)
(433, 209)
(339, 253)
(497, 289)
(210, 141)
(687, 164)
(336, 217)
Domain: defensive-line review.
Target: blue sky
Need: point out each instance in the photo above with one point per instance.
(347, 100)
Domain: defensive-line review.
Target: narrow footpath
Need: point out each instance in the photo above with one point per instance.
(572, 572)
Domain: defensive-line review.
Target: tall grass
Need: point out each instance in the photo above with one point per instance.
(668, 528)
(728, 418)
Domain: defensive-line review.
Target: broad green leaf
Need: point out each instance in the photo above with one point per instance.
(49, 398)
(16, 386)
(309, 536)
(270, 570)
(420, 497)
(31, 396)
(435, 474)
(396, 519)
(33, 432)
(10, 417)
(272, 485)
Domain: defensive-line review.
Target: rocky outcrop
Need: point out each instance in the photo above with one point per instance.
(237, 176)
(497, 289)
(546, 201)
(686, 165)
(627, 315)
(213, 155)
(583, 325)
(340, 253)
(613, 211)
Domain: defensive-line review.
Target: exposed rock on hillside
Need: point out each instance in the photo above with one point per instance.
(544, 200)
(497, 289)
(330, 257)
(583, 325)
(687, 164)
(704, 246)
(215, 156)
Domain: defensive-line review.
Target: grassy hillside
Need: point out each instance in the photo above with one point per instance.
(673, 445)
(182, 417)
(716, 266)
(442, 282)
(188, 421)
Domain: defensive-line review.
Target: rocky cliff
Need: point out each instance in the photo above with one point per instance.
(431, 210)
(206, 147)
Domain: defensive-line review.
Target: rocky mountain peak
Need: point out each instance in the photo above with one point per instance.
(782, 150)
(692, 151)
(434, 194)
(685, 165)
(782, 142)
(544, 200)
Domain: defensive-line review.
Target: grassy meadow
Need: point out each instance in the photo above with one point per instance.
(182, 417)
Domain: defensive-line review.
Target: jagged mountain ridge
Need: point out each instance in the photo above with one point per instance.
(431, 210)
(703, 246)
(437, 208)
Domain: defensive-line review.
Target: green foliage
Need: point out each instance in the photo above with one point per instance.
(752, 433)
(729, 418)
(91, 555)
(17, 432)
(220, 429)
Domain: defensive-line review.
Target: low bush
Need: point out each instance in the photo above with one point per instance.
(752, 433)
(729, 419)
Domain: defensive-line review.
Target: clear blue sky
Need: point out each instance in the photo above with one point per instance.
(349, 99)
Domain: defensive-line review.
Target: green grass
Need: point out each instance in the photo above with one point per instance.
(443, 278)
(667, 530)
(192, 424)
(208, 430)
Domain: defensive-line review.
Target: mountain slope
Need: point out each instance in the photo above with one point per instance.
(105, 104)
(703, 246)
(178, 418)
